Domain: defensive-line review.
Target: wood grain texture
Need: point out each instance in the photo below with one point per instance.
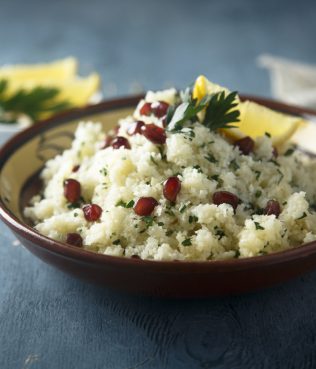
(51, 321)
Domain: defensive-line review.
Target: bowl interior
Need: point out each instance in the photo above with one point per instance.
(17, 176)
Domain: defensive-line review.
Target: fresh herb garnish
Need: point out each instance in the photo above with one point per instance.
(220, 112)
(258, 193)
(303, 216)
(215, 177)
(126, 205)
(198, 168)
(187, 242)
(148, 220)
(153, 160)
(187, 111)
(193, 219)
(258, 226)
(258, 174)
(234, 165)
(211, 158)
(32, 103)
(267, 134)
(103, 171)
(169, 233)
(219, 233)
(117, 242)
(289, 151)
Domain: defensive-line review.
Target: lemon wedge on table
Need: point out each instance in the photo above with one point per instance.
(61, 75)
(255, 119)
(56, 71)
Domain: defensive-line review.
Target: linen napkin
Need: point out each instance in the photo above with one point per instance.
(294, 83)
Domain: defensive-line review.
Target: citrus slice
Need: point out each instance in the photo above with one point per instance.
(255, 119)
(56, 71)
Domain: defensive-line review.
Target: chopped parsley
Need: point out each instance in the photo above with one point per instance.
(258, 174)
(233, 165)
(198, 168)
(169, 233)
(215, 177)
(187, 242)
(211, 158)
(268, 134)
(127, 205)
(193, 219)
(258, 226)
(289, 151)
(103, 171)
(303, 216)
(258, 193)
(148, 220)
(117, 242)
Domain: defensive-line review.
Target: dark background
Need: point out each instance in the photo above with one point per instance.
(50, 320)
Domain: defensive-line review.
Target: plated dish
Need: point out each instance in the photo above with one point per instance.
(42, 142)
(168, 184)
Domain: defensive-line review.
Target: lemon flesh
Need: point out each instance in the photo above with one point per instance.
(56, 71)
(255, 119)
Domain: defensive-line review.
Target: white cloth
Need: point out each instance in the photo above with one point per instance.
(294, 83)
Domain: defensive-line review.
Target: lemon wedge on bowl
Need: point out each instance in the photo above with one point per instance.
(255, 119)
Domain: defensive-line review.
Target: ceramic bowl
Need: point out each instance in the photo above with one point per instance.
(25, 154)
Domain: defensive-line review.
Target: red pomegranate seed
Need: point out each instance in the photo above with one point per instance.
(135, 128)
(159, 108)
(74, 239)
(75, 168)
(272, 208)
(245, 145)
(145, 109)
(225, 197)
(92, 212)
(154, 133)
(145, 206)
(171, 188)
(72, 190)
(107, 142)
(120, 141)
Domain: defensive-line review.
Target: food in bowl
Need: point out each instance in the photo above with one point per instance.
(171, 182)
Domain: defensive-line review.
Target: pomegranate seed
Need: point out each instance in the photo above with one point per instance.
(74, 239)
(107, 142)
(245, 145)
(72, 190)
(92, 212)
(159, 108)
(154, 133)
(145, 109)
(171, 188)
(135, 128)
(225, 197)
(120, 141)
(275, 152)
(145, 206)
(272, 208)
(75, 168)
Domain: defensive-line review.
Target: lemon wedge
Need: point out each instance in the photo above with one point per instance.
(77, 91)
(255, 119)
(59, 70)
(62, 74)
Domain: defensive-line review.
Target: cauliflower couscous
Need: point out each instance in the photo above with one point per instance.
(166, 186)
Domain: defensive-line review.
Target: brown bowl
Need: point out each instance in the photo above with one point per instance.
(24, 155)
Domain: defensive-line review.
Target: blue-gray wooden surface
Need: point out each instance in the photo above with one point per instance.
(50, 320)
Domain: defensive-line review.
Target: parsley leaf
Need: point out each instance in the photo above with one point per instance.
(126, 205)
(187, 242)
(258, 226)
(220, 112)
(32, 103)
